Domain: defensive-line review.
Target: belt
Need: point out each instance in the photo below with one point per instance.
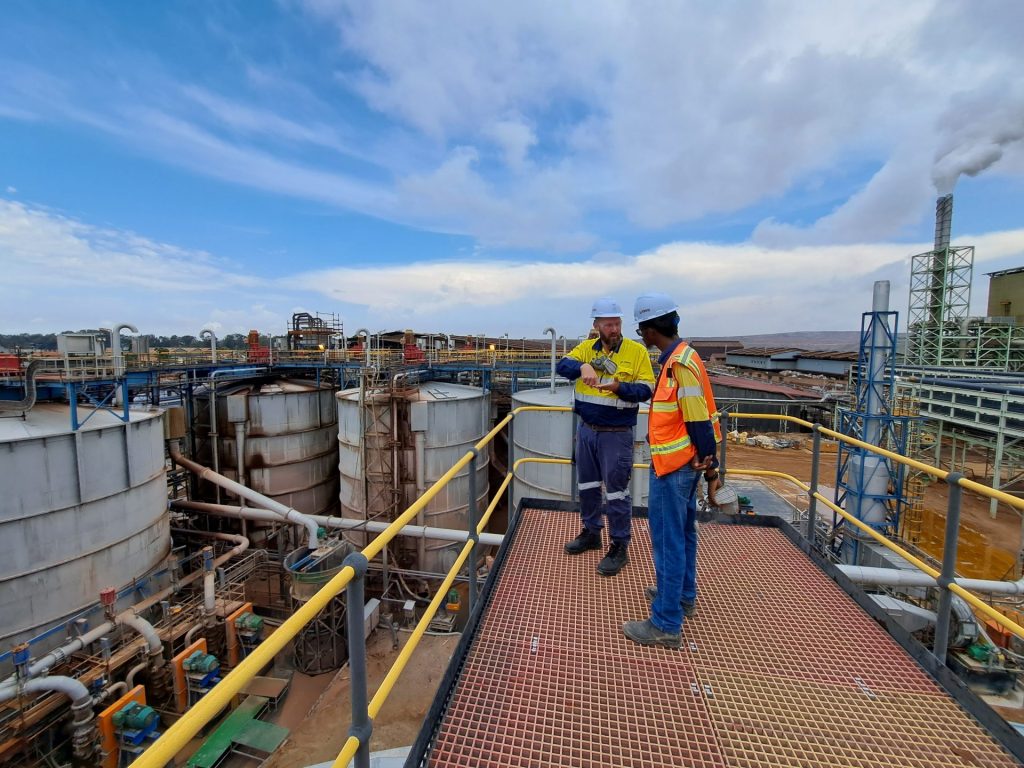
(607, 429)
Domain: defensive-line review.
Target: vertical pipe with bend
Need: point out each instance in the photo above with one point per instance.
(552, 332)
(213, 343)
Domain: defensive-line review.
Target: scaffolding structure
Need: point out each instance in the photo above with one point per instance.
(867, 486)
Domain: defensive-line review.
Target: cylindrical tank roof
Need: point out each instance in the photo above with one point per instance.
(430, 391)
(49, 419)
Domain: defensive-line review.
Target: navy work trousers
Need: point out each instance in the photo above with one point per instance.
(605, 457)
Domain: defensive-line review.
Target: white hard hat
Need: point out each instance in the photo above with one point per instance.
(652, 305)
(606, 307)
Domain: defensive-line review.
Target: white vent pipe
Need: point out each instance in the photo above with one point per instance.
(213, 343)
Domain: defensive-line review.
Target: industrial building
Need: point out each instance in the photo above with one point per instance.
(177, 527)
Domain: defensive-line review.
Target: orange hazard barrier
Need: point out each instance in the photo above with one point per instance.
(105, 721)
(232, 635)
(178, 667)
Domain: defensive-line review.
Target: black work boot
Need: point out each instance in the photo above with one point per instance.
(586, 541)
(613, 562)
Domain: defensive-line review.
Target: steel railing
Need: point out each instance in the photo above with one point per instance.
(351, 579)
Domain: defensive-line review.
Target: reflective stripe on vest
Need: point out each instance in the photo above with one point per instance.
(671, 447)
(609, 401)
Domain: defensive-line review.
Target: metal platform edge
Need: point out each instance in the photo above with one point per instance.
(996, 726)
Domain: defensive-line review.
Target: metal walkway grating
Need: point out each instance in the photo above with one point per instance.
(778, 668)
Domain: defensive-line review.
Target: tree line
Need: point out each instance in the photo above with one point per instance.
(48, 341)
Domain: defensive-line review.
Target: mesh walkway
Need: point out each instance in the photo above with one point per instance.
(780, 667)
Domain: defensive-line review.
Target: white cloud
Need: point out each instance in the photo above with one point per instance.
(11, 190)
(82, 275)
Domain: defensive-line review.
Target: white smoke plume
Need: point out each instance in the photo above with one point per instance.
(975, 133)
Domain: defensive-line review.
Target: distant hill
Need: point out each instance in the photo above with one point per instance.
(833, 341)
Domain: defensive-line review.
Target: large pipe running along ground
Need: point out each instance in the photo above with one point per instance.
(27, 402)
(895, 577)
(263, 515)
(58, 655)
(242, 491)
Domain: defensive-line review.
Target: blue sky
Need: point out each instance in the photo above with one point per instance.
(470, 168)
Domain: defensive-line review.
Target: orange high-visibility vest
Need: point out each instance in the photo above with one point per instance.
(671, 448)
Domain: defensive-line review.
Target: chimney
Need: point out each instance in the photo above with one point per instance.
(943, 221)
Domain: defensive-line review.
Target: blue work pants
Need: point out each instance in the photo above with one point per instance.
(672, 513)
(605, 457)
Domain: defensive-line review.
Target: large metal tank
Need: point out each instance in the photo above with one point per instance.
(549, 435)
(79, 511)
(289, 449)
(427, 428)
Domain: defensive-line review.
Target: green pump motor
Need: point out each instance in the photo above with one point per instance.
(134, 716)
(249, 623)
(201, 663)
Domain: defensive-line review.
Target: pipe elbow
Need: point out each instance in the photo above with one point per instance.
(147, 630)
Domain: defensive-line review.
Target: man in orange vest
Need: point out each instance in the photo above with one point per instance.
(683, 432)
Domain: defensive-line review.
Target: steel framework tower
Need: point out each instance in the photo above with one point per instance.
(867, 485)
(940, 297)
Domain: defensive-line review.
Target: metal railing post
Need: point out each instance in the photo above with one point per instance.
(948, 566)
(355, 599)
(812, 502)
(471, 515)
(510, 492)
(723, 425)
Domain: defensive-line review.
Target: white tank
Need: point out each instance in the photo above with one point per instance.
(290, 453)
(450, 419)
(79, 511)
(548, 435)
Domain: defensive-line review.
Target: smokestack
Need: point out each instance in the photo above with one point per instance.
(943, 221)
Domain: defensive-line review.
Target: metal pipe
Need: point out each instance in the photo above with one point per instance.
(240, 490)
(191, 633)
(130, 677)
(897, 577)
(366, 349)
(213, 343)
(420, 440)
(69, 686)
(84, 736)
(115, 346)
(209, 593)
(114, 689)
(27, 402)
(144, 628)
(552, 332)
(344, 523)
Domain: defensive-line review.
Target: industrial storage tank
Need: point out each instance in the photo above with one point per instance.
(394, 444)
(79, 511)
(549, 435)
(288, 441)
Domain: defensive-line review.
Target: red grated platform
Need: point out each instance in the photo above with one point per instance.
(779, 667)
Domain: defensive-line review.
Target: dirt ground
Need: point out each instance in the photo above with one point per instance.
(987, 548)
(318, 735)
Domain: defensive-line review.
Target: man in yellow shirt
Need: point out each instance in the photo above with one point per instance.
(613, 376)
